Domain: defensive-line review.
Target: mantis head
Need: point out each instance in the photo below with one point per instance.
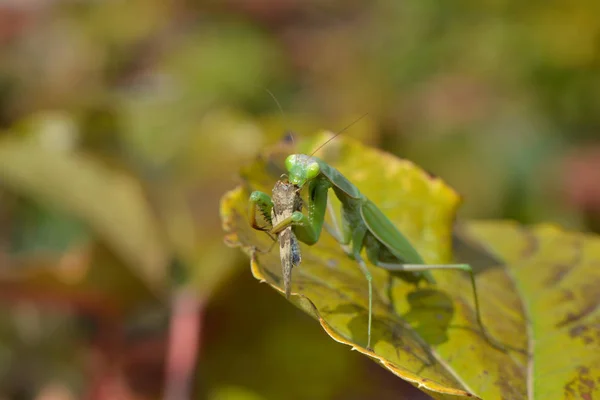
(301, 169)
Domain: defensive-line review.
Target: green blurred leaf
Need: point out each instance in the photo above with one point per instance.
(429, 335)
(110, 202)
(38, 229)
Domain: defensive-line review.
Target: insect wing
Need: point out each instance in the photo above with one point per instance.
(387, 233)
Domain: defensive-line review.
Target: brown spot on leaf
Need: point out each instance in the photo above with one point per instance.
(577, 330)
(568, 295)
(558, 274)
(584, 370)
(581, 386)
(574, 317)
(585, 333)
(589, 383)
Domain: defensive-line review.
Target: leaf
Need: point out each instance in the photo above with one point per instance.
(110, 202)
(557, 278)
(43, 230)
(427, 336)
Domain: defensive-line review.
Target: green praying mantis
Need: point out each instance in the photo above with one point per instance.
(363, 226)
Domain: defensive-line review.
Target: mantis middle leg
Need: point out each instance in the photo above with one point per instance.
(373, 256)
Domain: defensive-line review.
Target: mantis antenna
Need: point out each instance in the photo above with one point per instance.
(327, 141)
(339, 133)
(280, 110)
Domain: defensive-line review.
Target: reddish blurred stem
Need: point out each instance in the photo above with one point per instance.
(183, 345)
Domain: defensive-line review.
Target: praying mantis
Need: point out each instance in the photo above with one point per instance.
(363, 227)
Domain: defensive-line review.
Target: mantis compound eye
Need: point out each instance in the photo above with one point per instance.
(290, 162)
(312, 170)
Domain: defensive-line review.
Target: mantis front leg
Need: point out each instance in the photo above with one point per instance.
(308, 227)
(264, 203)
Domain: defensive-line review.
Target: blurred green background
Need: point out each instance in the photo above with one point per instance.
(122, 122)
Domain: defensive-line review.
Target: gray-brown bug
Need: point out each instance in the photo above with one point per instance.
(286, 200)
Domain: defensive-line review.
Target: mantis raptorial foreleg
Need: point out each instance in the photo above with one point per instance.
(262, 202)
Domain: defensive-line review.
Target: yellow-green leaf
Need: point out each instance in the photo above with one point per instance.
(428, 335)
(557, 279)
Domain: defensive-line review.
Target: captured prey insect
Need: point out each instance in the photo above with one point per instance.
(285, 201)
(363, 226)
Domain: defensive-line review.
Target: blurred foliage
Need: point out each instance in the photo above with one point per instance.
(122, 122)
